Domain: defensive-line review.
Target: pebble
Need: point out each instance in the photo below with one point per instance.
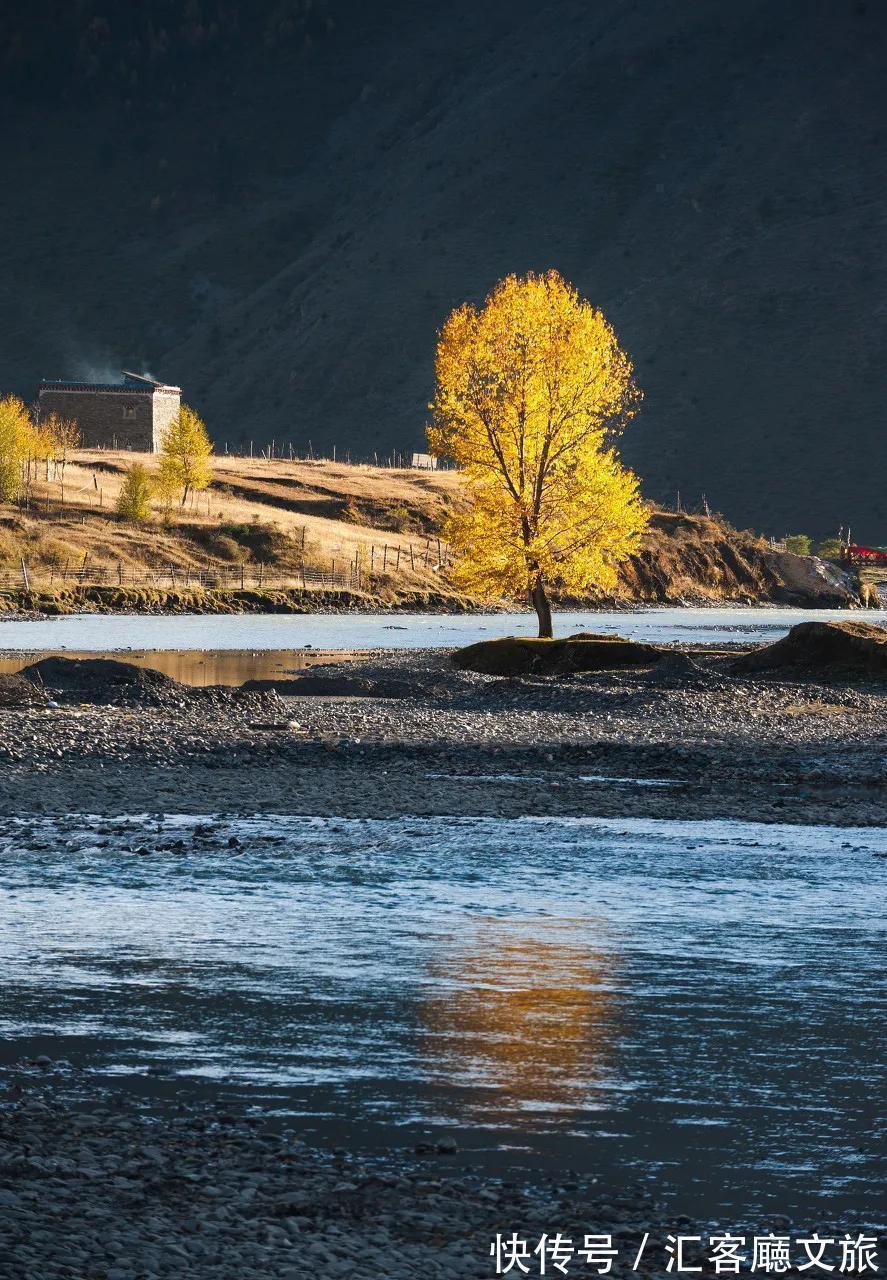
(758, 747)
(225, 1207)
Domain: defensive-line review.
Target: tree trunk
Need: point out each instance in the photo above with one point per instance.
(539, 601)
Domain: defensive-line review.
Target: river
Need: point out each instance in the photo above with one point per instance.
(97, 633)
(693, 1002)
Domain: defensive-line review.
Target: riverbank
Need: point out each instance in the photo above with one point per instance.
(114, 1194)
(267, 528)
(141, 1172)
(111, 1193)
(68, 601)
(403, 732)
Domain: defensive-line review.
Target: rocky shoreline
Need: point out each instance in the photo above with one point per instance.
(405, 733)
(114, 1193)
(122, 1194)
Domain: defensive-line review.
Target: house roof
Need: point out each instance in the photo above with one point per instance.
(131, 384)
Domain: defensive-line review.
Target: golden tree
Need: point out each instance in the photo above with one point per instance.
(185, 452)
(62, 435)
(134, 501)
(531, 391)
(16, 440)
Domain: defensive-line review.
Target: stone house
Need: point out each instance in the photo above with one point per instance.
(130, 414)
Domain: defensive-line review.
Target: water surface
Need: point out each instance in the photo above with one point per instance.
(701, 1003)
(198, 667)
(103, 632)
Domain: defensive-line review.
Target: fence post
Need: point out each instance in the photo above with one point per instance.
(427, 551)
(120, 573)
(385, 558)
(412, 561)
(397, 561)
(25, 575)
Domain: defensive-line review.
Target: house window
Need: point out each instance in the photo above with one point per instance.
(129, 413)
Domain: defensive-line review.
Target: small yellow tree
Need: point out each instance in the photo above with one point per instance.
(16, 439)
(531, 390)
(63, 435)
(185, 453)
(134, 502)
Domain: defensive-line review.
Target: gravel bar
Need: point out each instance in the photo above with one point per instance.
(413, 736)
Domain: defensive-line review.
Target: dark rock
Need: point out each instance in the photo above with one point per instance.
(827, 648)
(337, 686)
(519, 656)
(18, 691)
(102, 682)
(680, 670)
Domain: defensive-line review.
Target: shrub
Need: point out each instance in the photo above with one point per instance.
(134, 502)
(226, 548)
(799, 544)
(830, 548)
(351, 511)
(238, 542)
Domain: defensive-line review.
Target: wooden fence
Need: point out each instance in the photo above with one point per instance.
(349, 576)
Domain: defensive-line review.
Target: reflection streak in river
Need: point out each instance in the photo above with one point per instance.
(521, 1019)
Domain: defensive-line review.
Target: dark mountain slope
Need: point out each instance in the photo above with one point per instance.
(283, 230)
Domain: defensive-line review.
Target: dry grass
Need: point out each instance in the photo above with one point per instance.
(816, 707)
(275, 513)
(282, 515)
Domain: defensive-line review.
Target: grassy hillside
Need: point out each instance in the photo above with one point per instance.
(262, 521)
(278, 209)
(278, 515)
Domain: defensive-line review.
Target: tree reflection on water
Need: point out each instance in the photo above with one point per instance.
(523, 1018)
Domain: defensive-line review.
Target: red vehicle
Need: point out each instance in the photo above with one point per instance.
(865, 555)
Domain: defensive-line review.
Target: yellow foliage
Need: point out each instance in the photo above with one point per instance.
(134, 499)
(185, 455)
(16, 439)
(60, 434)
(531, 390)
